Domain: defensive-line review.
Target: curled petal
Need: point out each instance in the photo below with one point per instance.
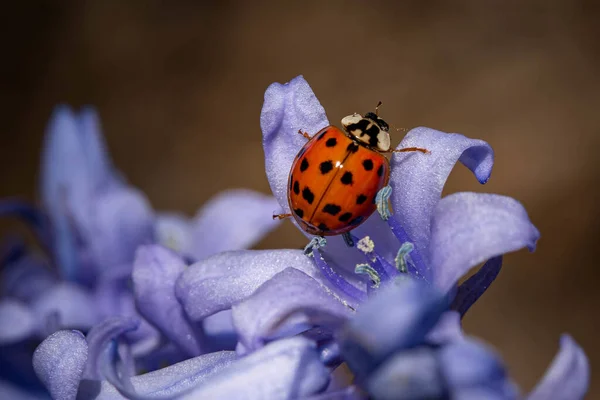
(287, 108)
(59, 362)
(568, 376)
(410, 374)
(257, 316)
(232, 220)
(398, 316)
(284, 369)
(469, 228)
(155, 272)
(472, 289)
(17, 322)
(470, 367)
(216, 283)
(99, 337)
(68, 305)
(418, 179)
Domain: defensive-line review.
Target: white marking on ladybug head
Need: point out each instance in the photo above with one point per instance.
(369, 130)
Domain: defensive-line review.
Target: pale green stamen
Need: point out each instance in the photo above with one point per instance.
(315, 243)
(383, 204)
(368, 270)
(402, 257)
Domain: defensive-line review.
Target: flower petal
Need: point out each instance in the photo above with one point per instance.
(174, 231)
(410, 374)
(398, 316)
(418, 179)
(220, 334)
(284, 369)
(173, 380)
(447, 329)
(287, 108)
(216, 283)
(155, 271)
(568, 377)
(257, 316)
(17, 322)
(469, 228)
(472, 289)
(13, 392)
(59, 362)
(27, 277)
(69, 305)
(347, 393)
(232, 220)
(468, 365)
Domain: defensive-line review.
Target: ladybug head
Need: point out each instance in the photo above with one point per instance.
(370, 130)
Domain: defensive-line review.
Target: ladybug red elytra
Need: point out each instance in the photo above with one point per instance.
(335, 178)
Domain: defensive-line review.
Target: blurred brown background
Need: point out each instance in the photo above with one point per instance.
(179, 86)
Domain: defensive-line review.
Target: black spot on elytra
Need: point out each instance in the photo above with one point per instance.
(357, 220)
(332, 209)
(368, 164)
(321, 135)
(345, 217)
(323, 227)
(296, 187)
(352, 147)
(299, 212)
(347, 178)
(380, 170)
(303, 165)
(326, 166)
(308, 195)
(361, 199)
(331, 142)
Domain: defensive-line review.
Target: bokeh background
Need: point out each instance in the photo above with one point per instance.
(179, 87)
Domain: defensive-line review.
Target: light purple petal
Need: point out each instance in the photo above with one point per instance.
(348, 393)
(219, 332)
(257, 316)
(469, 228)
(232, 220)
(99, 336)
(216, 283)
(121, 221)
(568, 377)
(418, 179)
(285, 369)
(174, 231)
(17, 322)
(155, 272)
(470, 290)
(468, 365)
(448, 329)
(59, 362)
(287, 108)
(410, 374)
(71, 305)
(398, 316)
(27, 278)
(173, 380)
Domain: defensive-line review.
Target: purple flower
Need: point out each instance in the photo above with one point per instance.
(91, 226)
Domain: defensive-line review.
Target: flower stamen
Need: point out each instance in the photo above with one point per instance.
(366, 269)
(402, 257)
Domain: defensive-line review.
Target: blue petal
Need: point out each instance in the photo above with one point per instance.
(256, 317)
(347, 393)
(568, 377)
(17, 322)
(216, 283)
(470, 228)
(287, 108)
(410, 374)
(12, 392)
(154, 274)
(220, 334)
(468, 365)
(173, 380)
(418, 179)
(65, 306)
(59, 362)
(232, 220)
(471, 289)
(174, 231)
(448, 329)
(27, 278)
(398, 316)
(285, 369)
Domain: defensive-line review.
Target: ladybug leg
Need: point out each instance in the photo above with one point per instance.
(408, 149)
(281, 216)
(315, 243)
(383, 202)
(401, 257)
(348, 239)
(305, 134)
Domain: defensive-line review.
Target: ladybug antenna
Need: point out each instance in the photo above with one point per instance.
(377, 108)
(405, 130)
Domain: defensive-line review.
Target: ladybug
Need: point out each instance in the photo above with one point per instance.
(335, 177)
